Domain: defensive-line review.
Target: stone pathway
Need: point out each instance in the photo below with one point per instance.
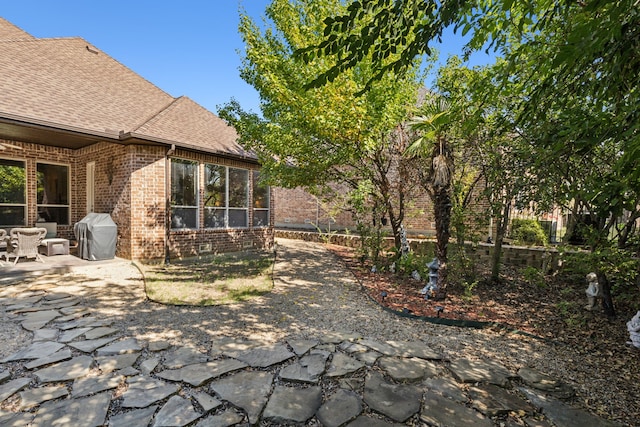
(78, 370)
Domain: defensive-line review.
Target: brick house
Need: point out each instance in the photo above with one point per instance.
(80, 133)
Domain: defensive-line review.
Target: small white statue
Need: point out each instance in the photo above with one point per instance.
(593, 291)
(404, 243)
(633, 326)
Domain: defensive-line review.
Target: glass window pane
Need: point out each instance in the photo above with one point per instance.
(54, 214)
(11, 216)
(215, 186)
(184, 183)
(260, 192)
(214, 218)
(238, 188)
(13, 182)
(53, 184)
(184, 218)
(237, 217)
(261, 218)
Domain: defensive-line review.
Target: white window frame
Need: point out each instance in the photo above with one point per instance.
(197, 200)
(24, 205)
(226, 208)
(91, 187)
(254, 183)
(49, 205)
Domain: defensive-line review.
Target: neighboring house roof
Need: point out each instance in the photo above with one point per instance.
(69, 85)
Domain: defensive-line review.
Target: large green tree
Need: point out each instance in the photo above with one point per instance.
(311, 138)
(569, 71)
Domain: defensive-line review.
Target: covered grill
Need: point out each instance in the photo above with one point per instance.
(97, 235)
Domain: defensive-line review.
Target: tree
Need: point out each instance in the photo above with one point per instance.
(325, 135)
(433, 121)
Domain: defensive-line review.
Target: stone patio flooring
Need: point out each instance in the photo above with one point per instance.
(77, 369)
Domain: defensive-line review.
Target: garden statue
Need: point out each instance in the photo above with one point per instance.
(634, 330)
(432, 287)
(593, 291)
(404, 243)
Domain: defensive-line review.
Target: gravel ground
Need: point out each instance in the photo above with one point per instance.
(313, 295)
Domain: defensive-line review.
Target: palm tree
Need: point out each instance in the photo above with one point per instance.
(433, 122)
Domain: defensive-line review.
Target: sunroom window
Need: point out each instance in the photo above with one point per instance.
(226, 194)
(13, 201)
(184, 194)
(238, 197)
(53, 193)
(260, 202)
(215, 196)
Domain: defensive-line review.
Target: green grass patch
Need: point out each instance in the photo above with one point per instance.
(212, 280)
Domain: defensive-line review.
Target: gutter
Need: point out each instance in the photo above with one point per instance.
(46, 125)
(132, 135)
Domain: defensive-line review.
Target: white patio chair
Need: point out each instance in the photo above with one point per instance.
(24, 242)
(3, 243)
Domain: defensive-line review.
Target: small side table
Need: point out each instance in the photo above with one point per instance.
(55, 246)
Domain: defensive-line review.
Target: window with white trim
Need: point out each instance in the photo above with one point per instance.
(226, 197)
(53, 193)
(238, 186)
(184, 194)
(13, 200)
(215, 196)
(260, 202)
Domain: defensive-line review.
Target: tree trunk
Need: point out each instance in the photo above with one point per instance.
(501, 231)
(607, 301)
(442, 211)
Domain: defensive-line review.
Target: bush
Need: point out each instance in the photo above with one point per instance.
(528, 232)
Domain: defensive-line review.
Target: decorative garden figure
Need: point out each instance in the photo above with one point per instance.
(404, 243)
(634, 330)
(432, 287)
(593, 291)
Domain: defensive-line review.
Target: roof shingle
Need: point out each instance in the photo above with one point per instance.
(67, 83)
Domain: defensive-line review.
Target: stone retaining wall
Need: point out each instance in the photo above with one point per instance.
(547, 259)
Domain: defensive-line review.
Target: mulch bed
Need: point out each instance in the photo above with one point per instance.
(554, 310)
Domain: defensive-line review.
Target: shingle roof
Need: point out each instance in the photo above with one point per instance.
(194, 127)
(69, 84)
(8, 31)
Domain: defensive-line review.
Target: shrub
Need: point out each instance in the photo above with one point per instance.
(528, 232)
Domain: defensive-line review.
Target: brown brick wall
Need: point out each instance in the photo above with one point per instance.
(32, 154)
(130, 186)
(298, 209)
(111, 186)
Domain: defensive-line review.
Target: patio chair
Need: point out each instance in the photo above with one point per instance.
(24, 242)
(3, 242)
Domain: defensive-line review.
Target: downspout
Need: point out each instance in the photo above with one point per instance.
(167, 193)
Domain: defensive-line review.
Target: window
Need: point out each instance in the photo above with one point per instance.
(215, 196)
(53, 193)
(226, 197)
(184, 194)
(260, 202)
(13, 201)
(238, 197)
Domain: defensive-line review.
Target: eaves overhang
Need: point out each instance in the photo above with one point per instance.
(16, 128)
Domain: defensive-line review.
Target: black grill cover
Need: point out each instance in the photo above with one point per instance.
(97, 235)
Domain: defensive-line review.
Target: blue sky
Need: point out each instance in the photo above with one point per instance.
(187, 47)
